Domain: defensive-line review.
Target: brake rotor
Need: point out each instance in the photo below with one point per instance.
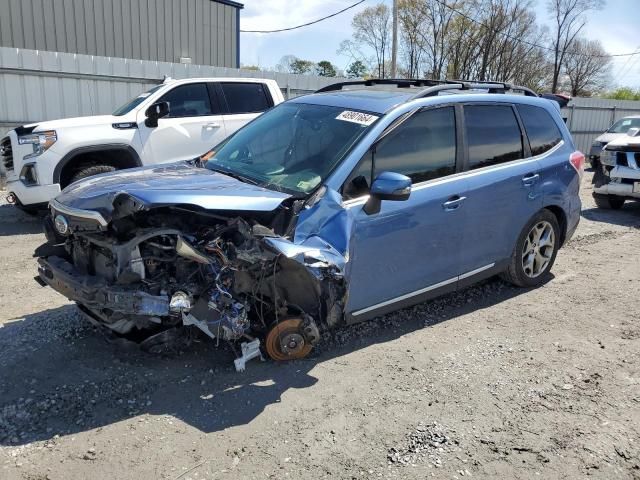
(286, 341)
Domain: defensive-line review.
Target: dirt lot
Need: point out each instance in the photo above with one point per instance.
(492, 382)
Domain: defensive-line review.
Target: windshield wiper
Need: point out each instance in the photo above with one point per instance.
(232, 174)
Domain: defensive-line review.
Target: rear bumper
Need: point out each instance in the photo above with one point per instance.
(94, 292)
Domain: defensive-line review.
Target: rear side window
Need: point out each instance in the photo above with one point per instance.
(493, 135)
(190, 100)
(246, 97)
(422, 148)
(542, 131)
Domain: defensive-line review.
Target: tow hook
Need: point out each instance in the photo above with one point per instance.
(11, 198)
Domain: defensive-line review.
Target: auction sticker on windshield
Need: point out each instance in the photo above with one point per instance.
(357, 117)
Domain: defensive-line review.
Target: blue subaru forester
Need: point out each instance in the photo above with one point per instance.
(331, 208)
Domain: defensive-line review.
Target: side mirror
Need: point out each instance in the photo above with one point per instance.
(387, 186)
(154, 112)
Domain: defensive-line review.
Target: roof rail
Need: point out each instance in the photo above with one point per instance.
(432, 87)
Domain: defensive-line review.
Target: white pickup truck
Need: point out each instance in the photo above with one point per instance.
(177, 120)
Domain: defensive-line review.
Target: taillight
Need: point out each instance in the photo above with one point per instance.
(576, 159)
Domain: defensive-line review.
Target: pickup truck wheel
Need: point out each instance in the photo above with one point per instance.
(609, 202)
(535, 251)
(90, 171)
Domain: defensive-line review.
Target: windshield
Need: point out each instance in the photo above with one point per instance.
(292, 147)
(622, 126)
(134, 102)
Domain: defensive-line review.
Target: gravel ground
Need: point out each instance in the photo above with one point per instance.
(490, 382)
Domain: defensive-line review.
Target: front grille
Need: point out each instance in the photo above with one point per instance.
(6, 153)
(621, 159)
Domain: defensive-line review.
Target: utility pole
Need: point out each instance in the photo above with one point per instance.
(394, 42)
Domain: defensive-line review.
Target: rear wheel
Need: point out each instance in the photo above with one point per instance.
(90, 171)
(609, 202)
(535, 251)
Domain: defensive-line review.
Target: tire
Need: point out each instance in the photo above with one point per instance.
(525, 272)
(90, 171)
(608, 202)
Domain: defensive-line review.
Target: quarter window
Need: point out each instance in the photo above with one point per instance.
(541, 129)
(190, 100)
(493, 135)
(246, 97)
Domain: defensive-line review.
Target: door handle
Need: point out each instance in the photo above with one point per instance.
(529, 180)
(453, 203)
(211, 126)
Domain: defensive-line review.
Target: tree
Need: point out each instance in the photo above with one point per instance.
(253, 68)
(357, 69)
(301, 67)
(587, 67)
(623, 93)
(371, 28)
(325, 69)
(284, 66)
(411, 19)
(569, 20)
(293, 64)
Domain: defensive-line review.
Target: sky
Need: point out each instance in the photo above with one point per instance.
(616, 26)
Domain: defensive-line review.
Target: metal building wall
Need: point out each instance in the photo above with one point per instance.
(37, 85)
(587, 118)
(164, 30)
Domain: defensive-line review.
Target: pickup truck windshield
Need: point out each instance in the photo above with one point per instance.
(292, 147)
(623, 126)
(134, 102)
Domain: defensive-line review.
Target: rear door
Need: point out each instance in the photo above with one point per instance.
(504, 184)
(194, 125)
(410, 249)
(244, 101)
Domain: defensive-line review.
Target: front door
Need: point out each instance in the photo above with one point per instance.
(194, 125)
(410, 249)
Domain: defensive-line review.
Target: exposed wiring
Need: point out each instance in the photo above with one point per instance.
(305, 24)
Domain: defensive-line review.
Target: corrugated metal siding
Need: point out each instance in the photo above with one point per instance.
(162, 30)
(37, 85)
(588, 118)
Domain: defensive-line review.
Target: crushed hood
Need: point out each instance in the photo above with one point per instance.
(171, 184)
(609, 137)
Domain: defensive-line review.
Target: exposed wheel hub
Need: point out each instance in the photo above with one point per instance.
(286, 340)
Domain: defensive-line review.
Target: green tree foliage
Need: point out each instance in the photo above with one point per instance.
(624, 93)
(357, 69)
(325, 69)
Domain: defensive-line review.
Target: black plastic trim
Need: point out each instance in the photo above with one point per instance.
(64, 161)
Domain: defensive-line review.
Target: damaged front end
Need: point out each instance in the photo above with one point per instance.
(236, 276)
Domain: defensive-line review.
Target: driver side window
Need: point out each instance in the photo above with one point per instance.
(422, 148)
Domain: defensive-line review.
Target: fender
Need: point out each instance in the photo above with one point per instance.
(92, 149)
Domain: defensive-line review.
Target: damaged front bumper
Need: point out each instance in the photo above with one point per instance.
(93, 292)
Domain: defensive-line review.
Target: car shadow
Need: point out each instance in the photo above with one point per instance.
(627, 216)
(15, 222)
(60, 376)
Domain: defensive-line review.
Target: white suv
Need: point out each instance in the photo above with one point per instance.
(179, 119)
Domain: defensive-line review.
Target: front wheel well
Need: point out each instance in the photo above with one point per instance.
(561, 216)
(118, 157)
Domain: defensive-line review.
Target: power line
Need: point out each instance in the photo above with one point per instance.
(531, 44)
(305, 24)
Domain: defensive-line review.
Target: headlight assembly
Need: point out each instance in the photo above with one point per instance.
(608, 158)
(41, 142)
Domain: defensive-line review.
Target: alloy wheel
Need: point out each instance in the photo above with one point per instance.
(538, 249)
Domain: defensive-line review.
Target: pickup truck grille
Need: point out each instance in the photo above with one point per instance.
(6, 153)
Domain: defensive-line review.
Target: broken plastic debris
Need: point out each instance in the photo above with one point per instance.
(250, 351)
